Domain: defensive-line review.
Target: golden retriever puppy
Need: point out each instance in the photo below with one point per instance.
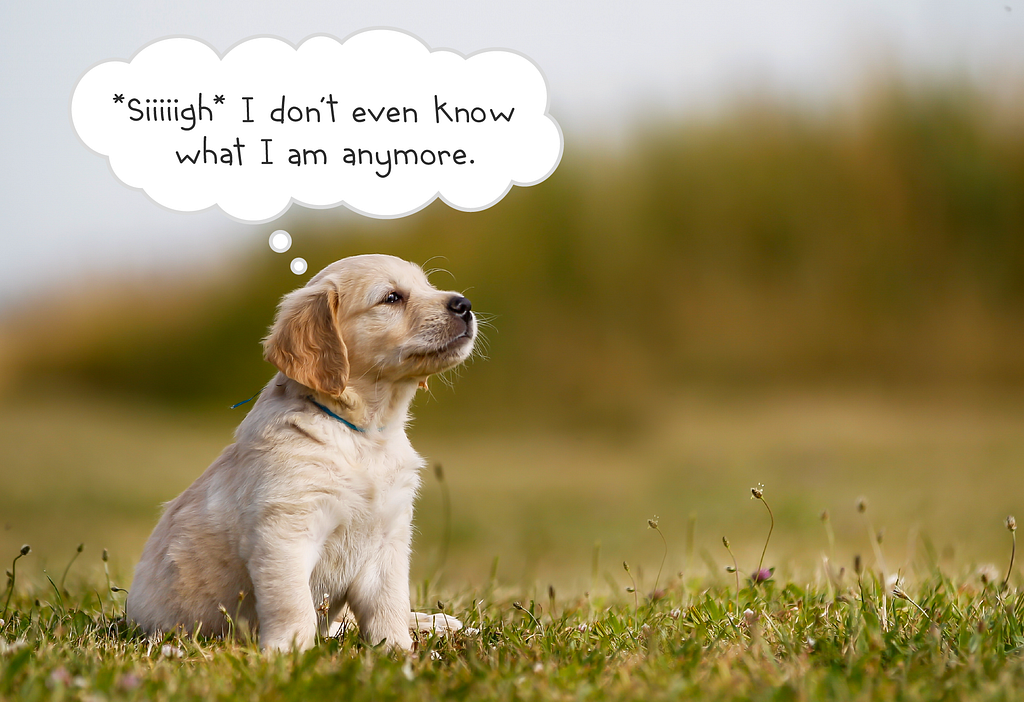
(310, 510)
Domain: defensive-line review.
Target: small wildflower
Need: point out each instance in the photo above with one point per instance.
(674, 613)
(169, 651)
(762, 575)
(757, 493)
(538, 667)
(26, 549)
(653, 523)
(435, 656)
(470, 631)
(129, 682)
(59, 676)
(1011, 523)
(582, 628)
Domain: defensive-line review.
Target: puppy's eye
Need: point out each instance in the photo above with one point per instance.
(392, 298)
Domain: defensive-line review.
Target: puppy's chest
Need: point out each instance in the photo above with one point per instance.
(376, 495)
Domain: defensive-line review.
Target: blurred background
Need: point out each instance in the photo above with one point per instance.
(785, 245)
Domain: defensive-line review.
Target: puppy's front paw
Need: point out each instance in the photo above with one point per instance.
(418, 621)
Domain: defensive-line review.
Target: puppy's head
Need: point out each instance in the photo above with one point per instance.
(373, 318)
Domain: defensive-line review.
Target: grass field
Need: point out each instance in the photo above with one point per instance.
(546, 517)
(849, 639)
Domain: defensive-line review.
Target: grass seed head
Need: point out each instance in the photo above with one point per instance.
(757, 492)
(653, 523)
(988, 573)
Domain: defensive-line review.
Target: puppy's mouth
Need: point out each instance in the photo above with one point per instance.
(448, 353)
(452, 345)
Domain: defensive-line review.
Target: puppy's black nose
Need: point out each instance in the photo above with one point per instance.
(461, 306)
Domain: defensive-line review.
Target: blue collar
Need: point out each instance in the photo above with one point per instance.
(331, 414)
(325, 410)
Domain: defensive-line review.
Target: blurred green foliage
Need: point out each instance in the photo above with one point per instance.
(765, 247)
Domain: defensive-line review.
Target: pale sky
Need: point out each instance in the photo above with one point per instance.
(607, 64)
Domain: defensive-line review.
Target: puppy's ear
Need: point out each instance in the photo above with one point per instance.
(305, 343)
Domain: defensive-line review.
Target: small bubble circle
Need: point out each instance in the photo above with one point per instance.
(298, 266)
(280, 241)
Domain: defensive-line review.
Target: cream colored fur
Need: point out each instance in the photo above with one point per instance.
(302, 516)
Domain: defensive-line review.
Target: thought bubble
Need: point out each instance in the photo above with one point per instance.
(280, 241)
(378, 123)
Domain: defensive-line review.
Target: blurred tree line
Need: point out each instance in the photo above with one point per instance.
(765, 247)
